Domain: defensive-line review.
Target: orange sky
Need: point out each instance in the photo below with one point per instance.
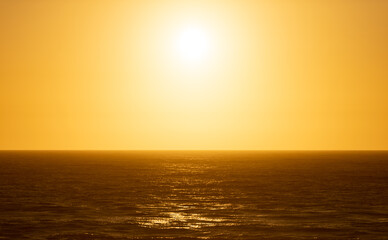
(274, 74)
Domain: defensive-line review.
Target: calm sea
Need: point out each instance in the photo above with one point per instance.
(193, 195)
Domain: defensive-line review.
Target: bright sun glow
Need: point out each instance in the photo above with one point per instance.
(193, 44)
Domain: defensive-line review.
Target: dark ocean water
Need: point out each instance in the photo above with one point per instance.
(193, 195)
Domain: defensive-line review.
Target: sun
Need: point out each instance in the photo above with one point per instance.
(193, 44)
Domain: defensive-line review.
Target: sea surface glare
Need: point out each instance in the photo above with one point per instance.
(193, 195)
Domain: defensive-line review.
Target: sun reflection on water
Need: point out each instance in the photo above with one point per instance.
(177, 220)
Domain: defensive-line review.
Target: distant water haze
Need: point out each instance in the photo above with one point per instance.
(86, 195)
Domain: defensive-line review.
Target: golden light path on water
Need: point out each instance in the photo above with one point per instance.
(176, 214)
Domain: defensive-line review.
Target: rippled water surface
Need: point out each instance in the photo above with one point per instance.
(193, 195)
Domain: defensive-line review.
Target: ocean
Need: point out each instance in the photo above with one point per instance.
(122, 195)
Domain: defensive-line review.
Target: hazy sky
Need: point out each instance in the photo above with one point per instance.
(274, 74)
